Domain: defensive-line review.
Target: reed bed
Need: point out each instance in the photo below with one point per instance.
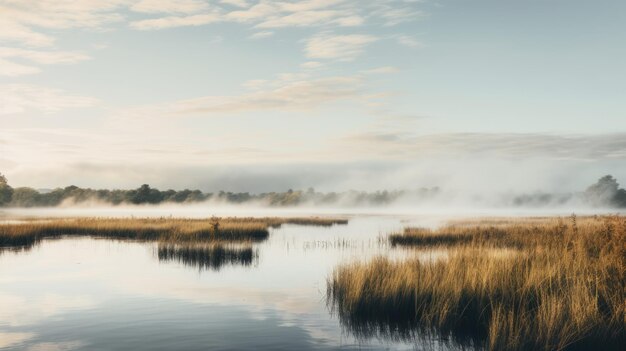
(207, 256)
(310, 221)
(547, 232)
(152, 229)
(562, 287)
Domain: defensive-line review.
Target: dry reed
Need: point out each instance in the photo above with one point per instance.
(154, 229)
(562, 288)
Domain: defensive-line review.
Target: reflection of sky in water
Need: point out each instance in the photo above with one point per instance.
(80, 293)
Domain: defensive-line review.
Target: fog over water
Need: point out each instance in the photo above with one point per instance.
(204, 210)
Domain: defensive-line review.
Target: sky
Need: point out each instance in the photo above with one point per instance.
(266, 95)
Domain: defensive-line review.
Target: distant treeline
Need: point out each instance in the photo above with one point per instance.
(29, 197)
(605, 193)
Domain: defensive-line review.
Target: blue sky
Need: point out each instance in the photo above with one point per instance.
(193, 93)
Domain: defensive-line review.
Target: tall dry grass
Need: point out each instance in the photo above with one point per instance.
(162, 229)
(562, 287)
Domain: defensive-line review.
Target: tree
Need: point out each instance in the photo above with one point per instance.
(6, 192)
(605, 192)
(620, 198)
(25, 197)
(145, 194)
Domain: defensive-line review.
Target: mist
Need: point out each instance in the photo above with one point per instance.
(480, 175)
(481, 183)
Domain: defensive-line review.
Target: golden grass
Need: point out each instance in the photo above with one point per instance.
(160, 229)
(564, 288)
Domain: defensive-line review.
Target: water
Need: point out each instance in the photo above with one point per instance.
(97, 294)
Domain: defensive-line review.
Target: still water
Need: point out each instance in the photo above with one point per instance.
(97, 294)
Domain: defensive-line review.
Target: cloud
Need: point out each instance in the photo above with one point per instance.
(299, 19)
(256, 12)
(56, 346)
(255, 84)
(394, 15)
(12, 69)
(236, 3)
(279, 14)
(263, 34)
(172, 6)
(505, 145)
(337, 47)
(408, 41)
(381, 70)
(311, 65)
(280, 95)
(19, 98)
(275, 14)
(43, 57)
(350, 21)
(308, 5)
(10, 30)
(18, 19)
(175, 21)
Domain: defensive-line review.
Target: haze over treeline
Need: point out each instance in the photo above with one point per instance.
(605, 193)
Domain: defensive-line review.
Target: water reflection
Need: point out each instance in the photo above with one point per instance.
(16, 249)
(207, 256)
(396, 325)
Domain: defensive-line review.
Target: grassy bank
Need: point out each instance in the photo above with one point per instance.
(156, 229)
(561, 287)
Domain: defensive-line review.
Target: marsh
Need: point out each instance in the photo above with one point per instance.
(299, 287)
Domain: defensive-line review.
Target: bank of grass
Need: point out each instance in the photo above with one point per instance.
(154, 229)
(562, 287)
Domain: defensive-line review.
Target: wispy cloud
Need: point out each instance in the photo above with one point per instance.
(171, 6)
(236, 3)
(29, 24)
(26, 26)
(19, 98)
(337, 47)
(404, 145)
(408, 41)
(47, 57)
(176, 21)
(300, 94)
(279, 14)
(381, 70)
(262, 34)
(311, 65)
(302, 19)
(12, 69)
(22, 21)
(14, 31)
(393, 14)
